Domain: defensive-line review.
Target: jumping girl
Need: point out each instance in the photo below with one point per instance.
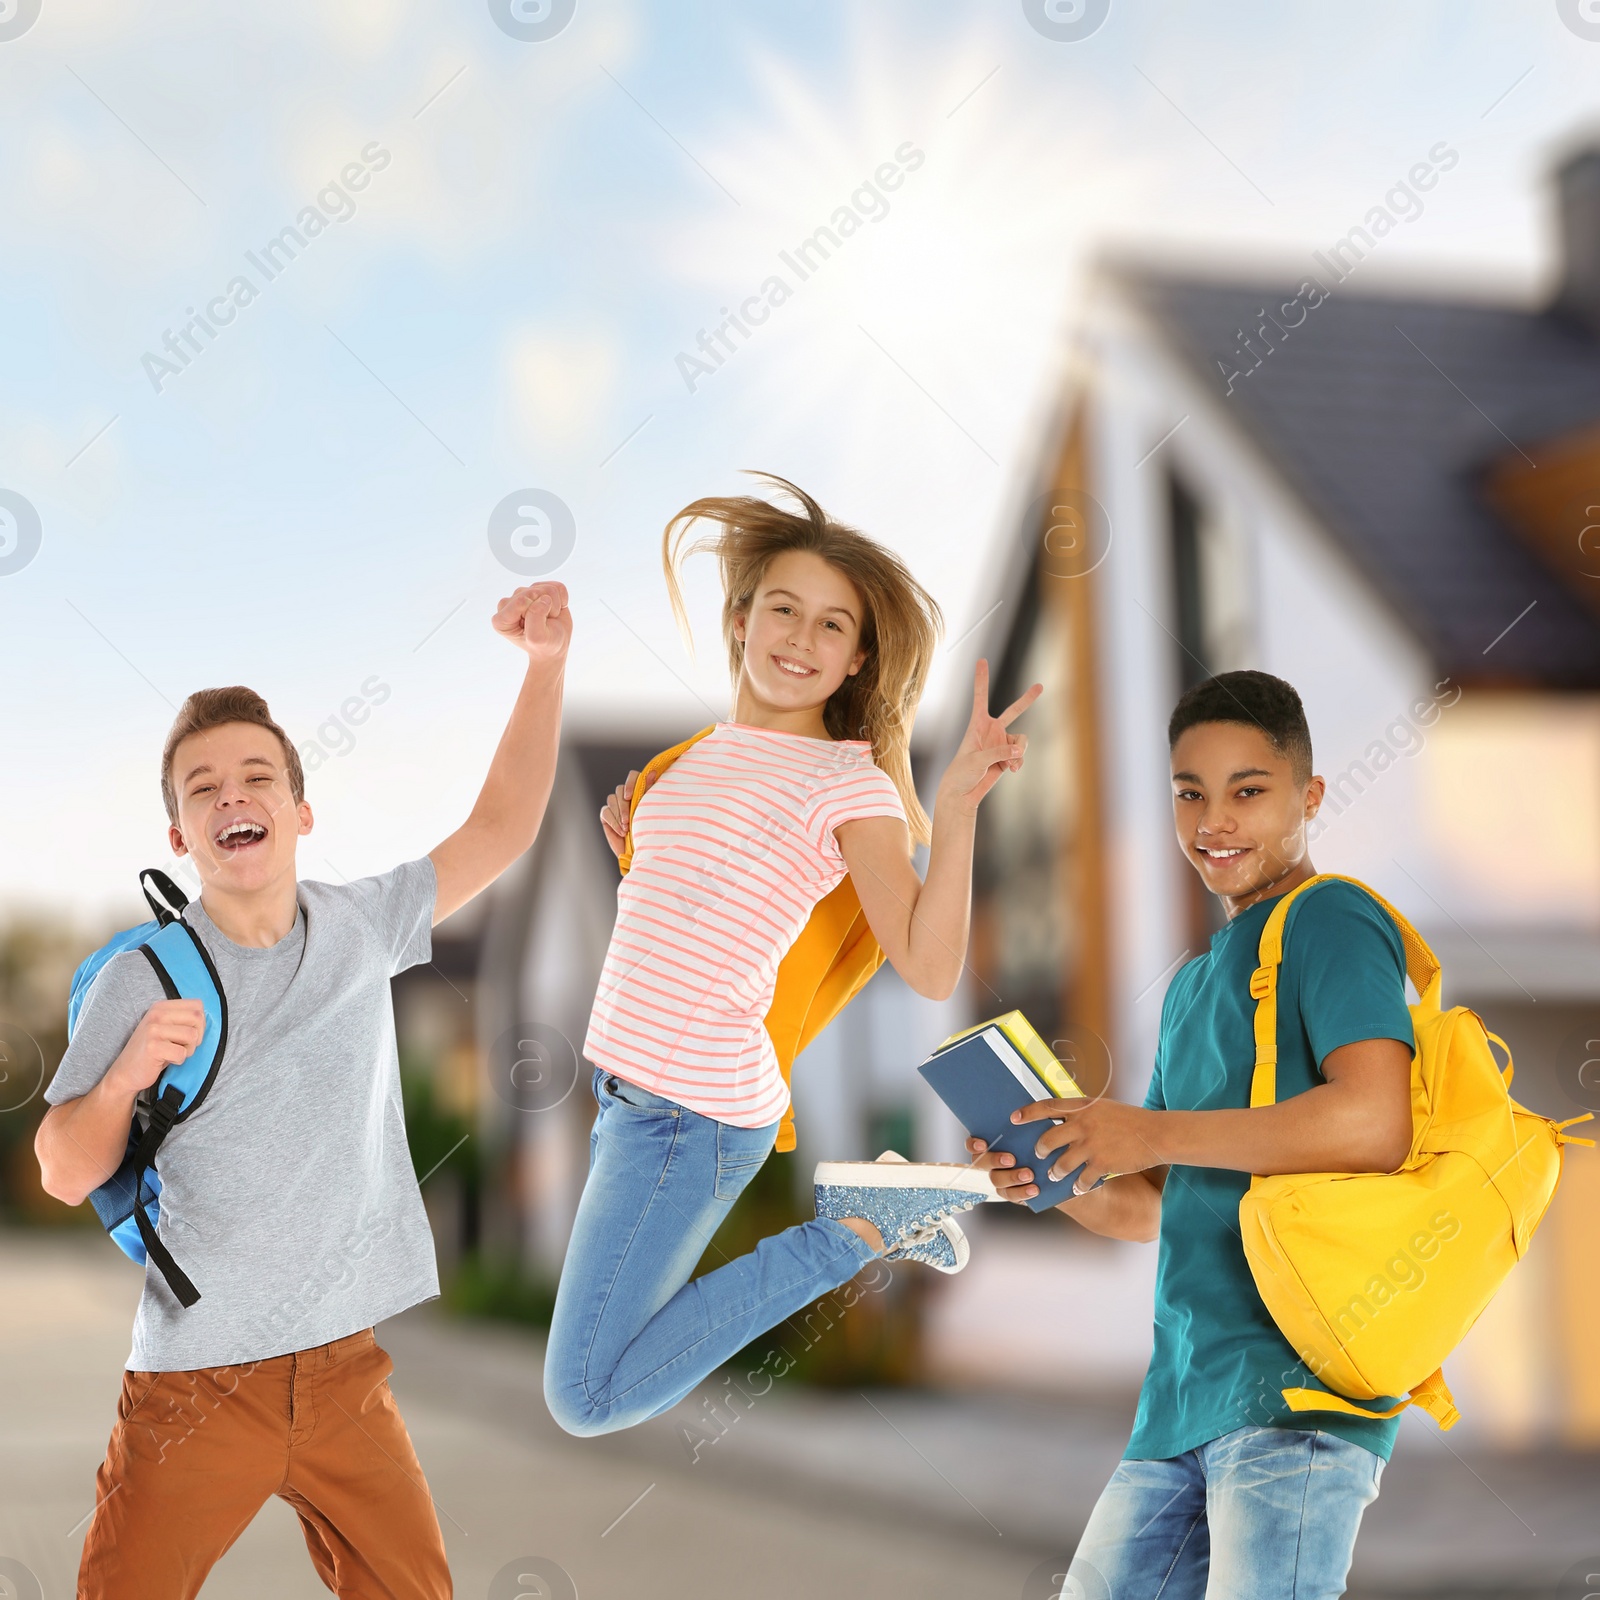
(829, 641)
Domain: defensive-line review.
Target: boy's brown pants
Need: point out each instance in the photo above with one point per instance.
(194, 1455)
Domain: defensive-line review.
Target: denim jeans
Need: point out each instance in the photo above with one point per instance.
(1259, 1514)
(631, 1335)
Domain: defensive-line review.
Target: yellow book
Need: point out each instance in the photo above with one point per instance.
(1032, 1049)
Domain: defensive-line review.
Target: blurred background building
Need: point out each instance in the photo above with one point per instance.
(1389, 496)
(1394, 503)
(1390, 501)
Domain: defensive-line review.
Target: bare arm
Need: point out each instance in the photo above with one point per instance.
(511, 804)
(1125, 1207)
(81, 1142)
(1359, 1120)
(922, 925)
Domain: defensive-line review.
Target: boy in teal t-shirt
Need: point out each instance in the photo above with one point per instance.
(1222, 1489)
(1219, 1360)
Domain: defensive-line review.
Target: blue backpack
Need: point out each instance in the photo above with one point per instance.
(129, 1201)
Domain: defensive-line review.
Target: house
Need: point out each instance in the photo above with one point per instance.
(1391, 499)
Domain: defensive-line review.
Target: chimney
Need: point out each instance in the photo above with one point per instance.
(1578, 196)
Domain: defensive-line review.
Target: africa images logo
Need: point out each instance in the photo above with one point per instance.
(21, 532)
(16, 17)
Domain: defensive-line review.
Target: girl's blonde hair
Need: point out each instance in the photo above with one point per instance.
(899, 630)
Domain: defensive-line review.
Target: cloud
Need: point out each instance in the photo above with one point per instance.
(559, 386)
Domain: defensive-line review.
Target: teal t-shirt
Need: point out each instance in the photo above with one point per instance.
(1219, 1360)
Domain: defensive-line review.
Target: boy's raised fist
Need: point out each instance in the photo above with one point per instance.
(535, 618)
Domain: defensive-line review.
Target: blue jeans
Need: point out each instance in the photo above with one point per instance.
(1259, 1514)
(631, 1335)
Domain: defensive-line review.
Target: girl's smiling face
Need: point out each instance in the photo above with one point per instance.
(801, 635)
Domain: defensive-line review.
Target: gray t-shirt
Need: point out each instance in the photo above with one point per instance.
(288, 1196)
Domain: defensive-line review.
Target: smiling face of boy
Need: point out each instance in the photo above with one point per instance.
(1241, 812)
(801, 634)
(237, 817)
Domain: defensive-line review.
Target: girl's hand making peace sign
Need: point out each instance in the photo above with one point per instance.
(987, 748)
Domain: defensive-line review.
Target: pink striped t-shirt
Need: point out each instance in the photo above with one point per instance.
(732, 848)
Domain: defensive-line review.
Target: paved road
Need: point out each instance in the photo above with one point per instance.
(804, 1495)
(507, 1483)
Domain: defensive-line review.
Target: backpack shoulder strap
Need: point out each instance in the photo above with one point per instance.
(185, 972)
(1264, 989)
(653, 769)
(163, 1113)
(1422, 966)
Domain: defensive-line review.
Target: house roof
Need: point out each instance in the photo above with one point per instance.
(1383, 412)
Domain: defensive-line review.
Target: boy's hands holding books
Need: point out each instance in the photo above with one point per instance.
(535, 619)
(987, 748)
(1126, 1207)
(1105, 1136)
(1011, 1182)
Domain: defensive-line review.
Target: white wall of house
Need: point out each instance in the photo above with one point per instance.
(1300, 610)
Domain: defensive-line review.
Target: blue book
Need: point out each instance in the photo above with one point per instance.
(988, 1072)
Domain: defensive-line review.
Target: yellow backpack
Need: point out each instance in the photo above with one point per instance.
(1375, 1277)
(824, 968)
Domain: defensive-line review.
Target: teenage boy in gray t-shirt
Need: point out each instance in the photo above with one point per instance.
(288, 1195)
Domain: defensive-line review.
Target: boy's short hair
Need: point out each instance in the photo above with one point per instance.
(210, 708)
(1255, 699)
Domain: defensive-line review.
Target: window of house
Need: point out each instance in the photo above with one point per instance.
(1211, 602)
(1211, 631)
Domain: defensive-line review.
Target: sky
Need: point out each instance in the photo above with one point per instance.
(512, 254)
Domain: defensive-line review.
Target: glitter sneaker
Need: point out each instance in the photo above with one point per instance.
(906, 1201)
(943, 1247)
